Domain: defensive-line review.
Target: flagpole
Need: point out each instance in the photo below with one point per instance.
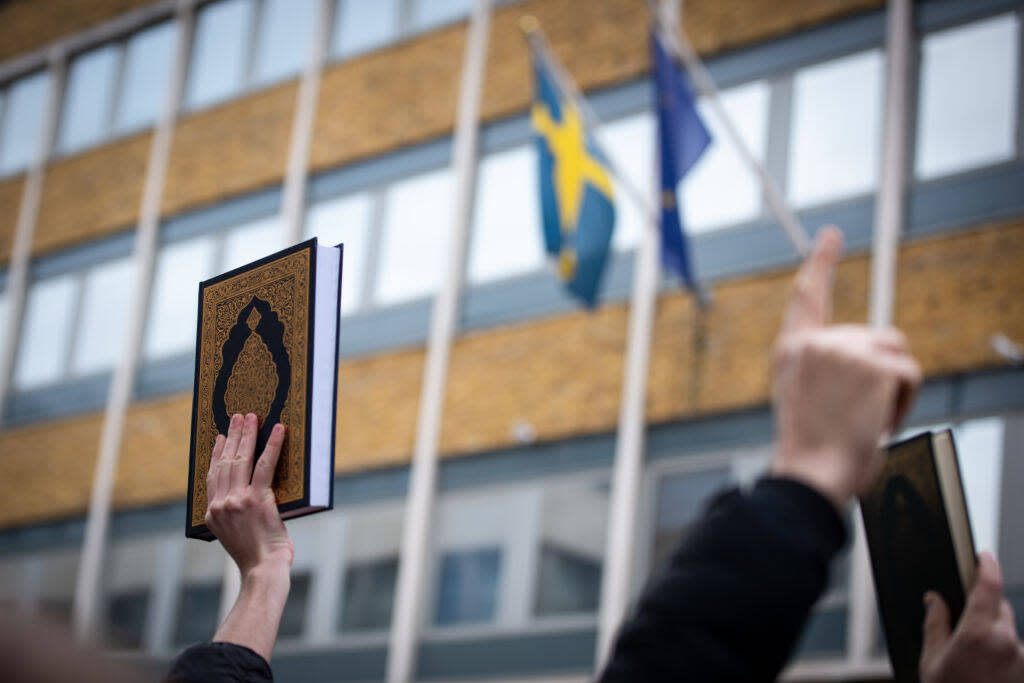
(411, 587)
(677, 41)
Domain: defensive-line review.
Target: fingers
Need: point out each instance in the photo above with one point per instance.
(263, 475)
(227, 457)
(936, 629)
(811, 302)
(984, 602)
(241, 467)
(211, 472)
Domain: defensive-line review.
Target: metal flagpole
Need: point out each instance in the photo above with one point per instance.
(28, 216)
(412, 570)
(676, 40)
(89, 586)
(889, 210)
(294, 199)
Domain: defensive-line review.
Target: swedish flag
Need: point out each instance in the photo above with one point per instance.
(577, 208)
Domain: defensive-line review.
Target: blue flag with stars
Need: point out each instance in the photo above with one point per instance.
(682, 138)
(577, 209)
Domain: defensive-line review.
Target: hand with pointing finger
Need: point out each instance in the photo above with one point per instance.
(984, 647)
(837, 389)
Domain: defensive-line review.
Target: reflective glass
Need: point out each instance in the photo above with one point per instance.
(198, 609)
(46, 332)
(24, 111)
(721, 189)
(293, 618)
(361, 25)
(630, 143)
(968, 101)
(835, 136)
(126, 615)
(345, 220)
(371, 546)
(147, 73)
(3, 314)
(173, 310)
(106, 300)
(680, 501)
(252, 241)
(417, 225)
(219, 52)
(285, 40)
(89, 98)
(468, 589)
(979, 444)
(430, 13)
(506, 227)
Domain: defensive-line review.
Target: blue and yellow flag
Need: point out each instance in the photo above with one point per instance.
(577, 208)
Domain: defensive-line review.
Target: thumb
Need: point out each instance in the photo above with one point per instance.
(936, 626)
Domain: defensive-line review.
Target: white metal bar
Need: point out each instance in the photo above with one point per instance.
(862, 626)
(89, 585)
(676, 40)
(297, 171)
(412, 570)
(25, 228)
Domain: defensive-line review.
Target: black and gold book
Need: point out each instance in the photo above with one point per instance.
(919, 537)
(267, 343)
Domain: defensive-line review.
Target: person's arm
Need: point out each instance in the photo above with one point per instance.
(242, 514)
(736, 595)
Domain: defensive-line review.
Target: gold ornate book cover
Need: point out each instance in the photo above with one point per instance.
(257, 344)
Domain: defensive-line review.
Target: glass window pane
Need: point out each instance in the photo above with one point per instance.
(88, 99)
(836, 132)
(979, 445)
(198, 608)
(293, 618)
(147, 72)
(345, 220)
(361, 25)
(46, 332)
(369, 595)
(3, 315)
(417, 225)
(468, 586)
(430, 13)
(506, 234)
(680, 502)
(219, 52)
(721, 189)
(630, 143)
(252, 241)
(126, 615)
(173, 310)
(968, 102)
(286, 37)
(23, 122)
(105, 305)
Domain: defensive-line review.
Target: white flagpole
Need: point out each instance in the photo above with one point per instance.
(89, 585)
(889, 209)
(411, 588)
(676, 40)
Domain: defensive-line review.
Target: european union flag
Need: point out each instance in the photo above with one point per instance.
(577, 208)
(682, 138)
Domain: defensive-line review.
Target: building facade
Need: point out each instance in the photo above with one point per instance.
(535, 383)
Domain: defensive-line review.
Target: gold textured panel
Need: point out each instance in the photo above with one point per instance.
(92, 194)
(10, 203)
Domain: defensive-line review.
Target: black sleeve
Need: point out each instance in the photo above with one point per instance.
(216, 662)
(735, 595)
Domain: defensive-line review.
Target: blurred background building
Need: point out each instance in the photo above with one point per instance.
(535, 383)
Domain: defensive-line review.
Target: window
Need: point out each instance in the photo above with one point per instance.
(468, 586)
(86, 114)
(507, 235)
(968, 100)
(630, 143)
(173, 311)
(126, 614)
(198, 609)
(417, 225)
(46, 332)
(680, 501)
(148, 58)
(106, 301)
(428, 14)
(22, 124)
(369, 595)
(220, 52)
(293, 618)
(251, 241)
(345, 220)
(979, 444)
(361, 25)
(285, 38)
(836, 129)
(3, 314)
(721, 189)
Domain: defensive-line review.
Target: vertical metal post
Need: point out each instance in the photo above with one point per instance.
(888, 223)
(293, 201)
(28, 217)
(89, 586)
(411, 585)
